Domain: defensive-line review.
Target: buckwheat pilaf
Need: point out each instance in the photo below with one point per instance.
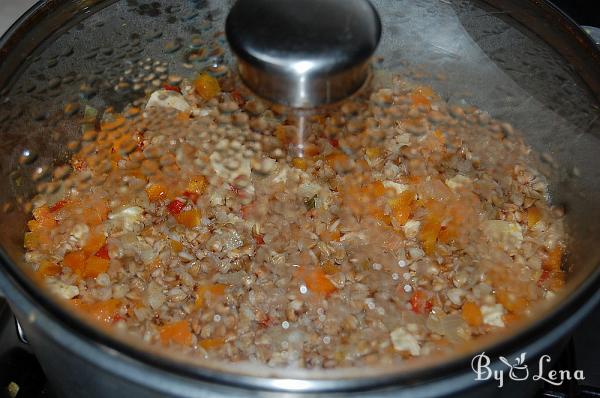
(401, 226)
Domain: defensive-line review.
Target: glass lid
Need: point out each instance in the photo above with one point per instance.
(446, 207)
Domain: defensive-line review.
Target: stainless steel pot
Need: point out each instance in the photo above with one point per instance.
(521, 61)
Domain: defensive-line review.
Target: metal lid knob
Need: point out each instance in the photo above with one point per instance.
(303, 53)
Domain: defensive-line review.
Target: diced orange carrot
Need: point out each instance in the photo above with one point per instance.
(428, 235)
(556, 281)
(376, 189)
(337, 160)
(554, 259)
(431, 226)
(44, 217)
(178, 332)
(183, 116)
(440, 136)
(534, 215)
(362, 164)
(197, 184)
(95, 266)
(510, 318)
(281, 134)
(300, 163)
(512, 302)
(329, 236)
(189, 218)
(30, 240)
(401, 206)
(39, 239)
(378, 214)
(471, 313)
(330, 268)
(419, 99)
(76, 261)
(206, 86)
(425, 91)
(103, 311)
(156, 192)
(94, 242)
(373, 152)
(96, 212)
(311, 150)
(316, 280)
(33, 225)
(209, 344)
(48, 268)
(215, 290)
(176, 246)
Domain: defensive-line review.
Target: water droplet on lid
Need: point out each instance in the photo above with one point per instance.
(61, 172)
(154, 35)
(189, 15)
(218, 70)
(68, 79)
(90, 54)
(73, 145)
(40, 115)
(39, 173)
(67, 51)
(52, 187)
(172, 46)
(122, 86)
(54, 92)
(70, 108)
(149, 77)
(7, 207)
(54, 82)
(27, 156)
(174, 80)
(87, 91)
(52, 62)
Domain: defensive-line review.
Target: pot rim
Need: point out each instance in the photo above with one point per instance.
(569, 311)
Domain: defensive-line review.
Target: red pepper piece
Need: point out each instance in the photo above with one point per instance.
(193, 196)
(419, 303)
(168, 87)
(103, 253)
(58, 205)
(543, 277)
(175, 207)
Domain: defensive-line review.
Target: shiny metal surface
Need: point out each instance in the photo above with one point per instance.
(20, 332)
(303, 53)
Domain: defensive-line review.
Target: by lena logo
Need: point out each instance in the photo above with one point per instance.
(518, 370)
